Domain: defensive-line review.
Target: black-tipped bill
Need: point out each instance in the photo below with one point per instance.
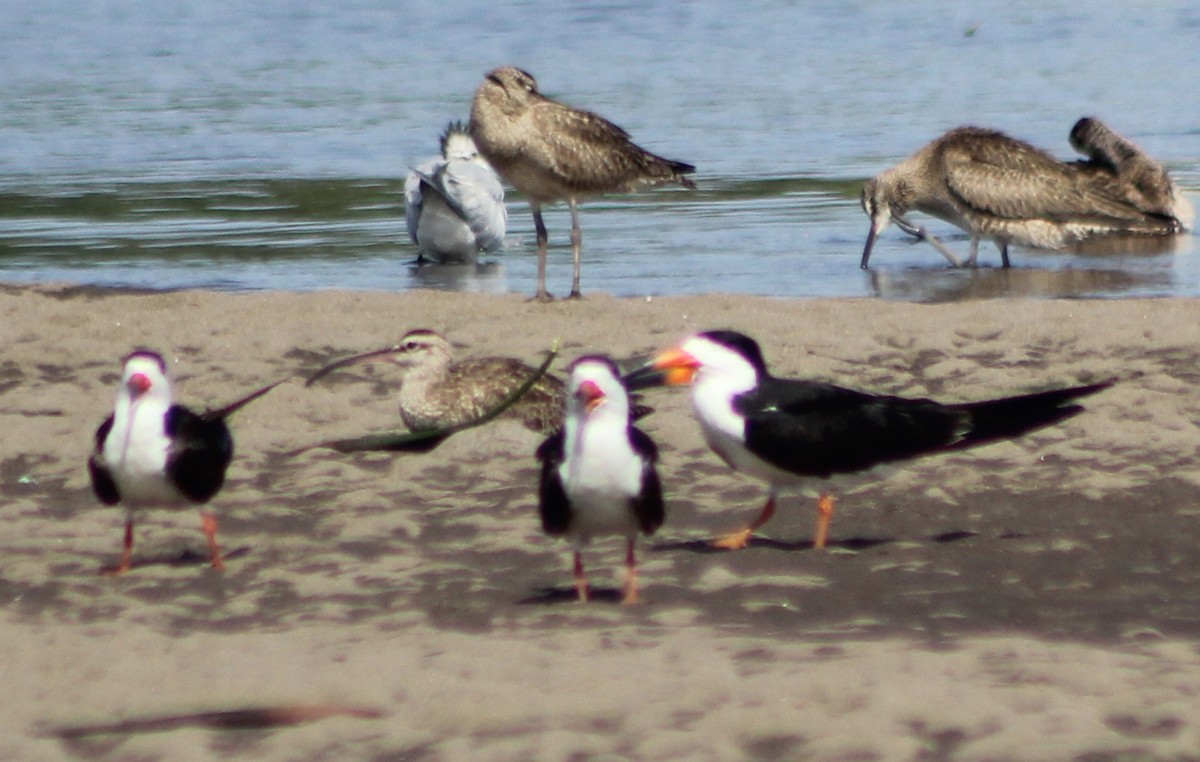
(347, 361)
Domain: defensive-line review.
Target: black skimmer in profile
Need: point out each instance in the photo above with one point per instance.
(598, 474)
(995, 186)
(454, 203)
(154, 453)
(553, 152)
(784, 431)
(439, 393)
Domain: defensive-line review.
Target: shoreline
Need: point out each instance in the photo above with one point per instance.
(1026, 600)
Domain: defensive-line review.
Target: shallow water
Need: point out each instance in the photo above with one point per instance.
(183, 147)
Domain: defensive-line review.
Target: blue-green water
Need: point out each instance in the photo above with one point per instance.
(264, 145)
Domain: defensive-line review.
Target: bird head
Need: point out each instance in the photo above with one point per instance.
(145, 373)
(418, 348)
(594, 385)
(721, 353)
(878, 201)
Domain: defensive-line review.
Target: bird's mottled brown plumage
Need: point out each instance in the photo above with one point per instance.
(438, 392)
(553, 152)
(996, 186)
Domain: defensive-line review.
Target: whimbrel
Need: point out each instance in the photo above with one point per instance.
(995, 186)
(437, 392)
(785, 431)
(152, 452)
(454, 203)
(598, 475)
(553, 152)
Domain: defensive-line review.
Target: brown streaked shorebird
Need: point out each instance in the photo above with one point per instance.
(438, 393)
(995, 186)
(553, 152)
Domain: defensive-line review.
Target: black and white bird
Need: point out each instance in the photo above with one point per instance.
(454, 203)
(154, 453)
(598, 473)
(785, 431)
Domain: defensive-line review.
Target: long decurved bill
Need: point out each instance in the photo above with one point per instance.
(347, 361)
(871, 236)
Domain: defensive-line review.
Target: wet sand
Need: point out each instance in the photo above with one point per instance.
(1027, 600)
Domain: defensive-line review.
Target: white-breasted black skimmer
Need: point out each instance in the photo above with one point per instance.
(995, 186)
(598, 473)
(154, 453)
(454, 203)
(553, 152)
(438, 392)
(784, 431)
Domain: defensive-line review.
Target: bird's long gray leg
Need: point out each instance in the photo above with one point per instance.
(974, 251)
(924, 235)
(1003, 253)
(941, 247)
(576, 246)
(543, 243)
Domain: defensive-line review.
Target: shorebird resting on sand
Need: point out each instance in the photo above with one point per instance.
(552, 152)
(998, 187)
(438, 393)
(454, 203)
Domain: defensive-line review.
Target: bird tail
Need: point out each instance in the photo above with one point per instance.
(1012, 416)
(680, 168)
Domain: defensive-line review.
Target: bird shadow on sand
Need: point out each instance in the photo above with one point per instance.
(184, 557)
(554, 595)
(849, 543)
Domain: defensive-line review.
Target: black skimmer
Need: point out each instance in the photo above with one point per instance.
(454, 203)
(598, 474)
(784, 431)
(995, 186)
(553, 152)
(154, 453)
(439, 393)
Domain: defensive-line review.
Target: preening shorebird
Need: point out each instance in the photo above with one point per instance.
(995, 186)
(553, 152)
(454, 203)
(154, 453)
(598, 473)
(438, 392)
(786, 431)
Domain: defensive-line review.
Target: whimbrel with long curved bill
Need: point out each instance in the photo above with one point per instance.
(454, 203)
(438, 392)
(995, 186)
(154, 453)
(553, 152)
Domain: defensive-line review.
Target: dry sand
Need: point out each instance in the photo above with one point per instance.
(1034, 600)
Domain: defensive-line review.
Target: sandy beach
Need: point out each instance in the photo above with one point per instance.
(1030, 600)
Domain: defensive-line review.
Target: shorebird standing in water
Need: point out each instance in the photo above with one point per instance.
(454, 203)
(598, 475)
(786, 431)
(998, 187)
(152, 452)
(439, 393)
(552, 152)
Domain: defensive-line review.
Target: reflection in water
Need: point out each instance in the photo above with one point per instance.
(946, 285)
(468, 277)
(1109, 266)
